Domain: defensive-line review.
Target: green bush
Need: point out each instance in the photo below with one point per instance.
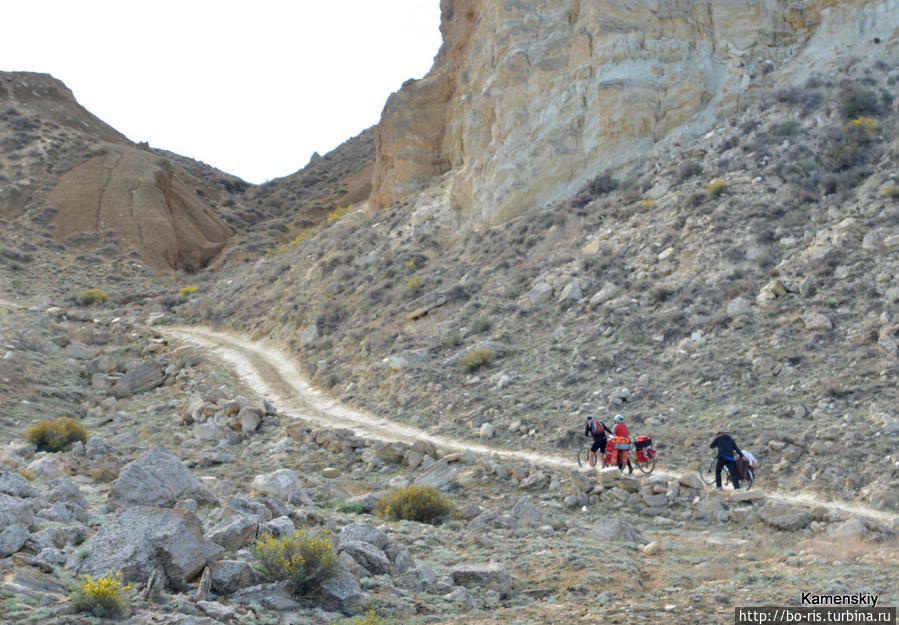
(350, 507)
(424, 504)
(101, 596)
(482, 324)
(56, 434)
(92, 296)
(302, 559)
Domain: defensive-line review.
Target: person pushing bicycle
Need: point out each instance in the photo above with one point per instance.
(597, 429)
(727, 452)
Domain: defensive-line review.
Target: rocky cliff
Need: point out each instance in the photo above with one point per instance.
(529, 101)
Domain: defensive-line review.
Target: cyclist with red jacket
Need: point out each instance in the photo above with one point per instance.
(621, 430)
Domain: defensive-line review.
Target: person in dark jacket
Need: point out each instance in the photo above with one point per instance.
(597, 429)
(727, 453)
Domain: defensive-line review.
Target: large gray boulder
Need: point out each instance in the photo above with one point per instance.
(231, 575)
(343, 594)
(12, 538)
(14, 510)
(281, 484)
(362, 532)
(234, 532)
(527, 514)
(440, 475)
(491, 576)
(158, 478)
(142, 378)
(137, 540)
(15, 485)
(785, 517)
(374, 560)
(613, 529)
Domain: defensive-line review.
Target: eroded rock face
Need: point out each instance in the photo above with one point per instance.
(93, 188)
(147, 202)
(525, 104)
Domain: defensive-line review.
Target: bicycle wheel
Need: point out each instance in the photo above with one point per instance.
(648, 466)
(583, 456)
(747, 483)
(707, 471)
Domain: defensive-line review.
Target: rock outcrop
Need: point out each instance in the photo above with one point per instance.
(525, 106)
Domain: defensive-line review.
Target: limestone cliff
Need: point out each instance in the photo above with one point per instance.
(527, 101)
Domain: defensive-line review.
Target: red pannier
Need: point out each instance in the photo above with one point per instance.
(617, 446)
(645, 450)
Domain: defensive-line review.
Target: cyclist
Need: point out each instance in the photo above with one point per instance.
(727, 448)
(597, 429)
(621, 430)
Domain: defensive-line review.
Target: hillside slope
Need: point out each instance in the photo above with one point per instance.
(743, 280)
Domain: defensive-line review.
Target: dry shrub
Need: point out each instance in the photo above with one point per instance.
(414, 503)
(56, 434)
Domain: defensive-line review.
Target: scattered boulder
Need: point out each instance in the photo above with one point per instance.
(281, 484)
(367, 555)
(785, 517)
(527, 514)
(535, 481)
(362, 532)
(343, 594)
(691, 480)
(440, 475)
(15, 485)
(229, 576)
(277, 596)
(492, 576)
(234, 532)
(158, 478)
(614, 529)
(14, 510)
(142, 378)
(12, 538)
(138, 539)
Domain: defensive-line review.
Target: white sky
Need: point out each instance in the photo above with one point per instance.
(252, 87)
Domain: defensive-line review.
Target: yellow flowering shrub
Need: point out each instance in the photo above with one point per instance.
(55, 434)
(716, 187)
(476, 358)
(414, 503)
(892, 192)
(188, 290)
(273, 251)
(339, 212)
(867, 123)
(369, 618)
(415, 283)
(101, 596)
(92, 296)
(303, 559)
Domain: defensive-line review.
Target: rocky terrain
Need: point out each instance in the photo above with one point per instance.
(715, 250)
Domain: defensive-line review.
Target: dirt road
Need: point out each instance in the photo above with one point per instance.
(274, 376)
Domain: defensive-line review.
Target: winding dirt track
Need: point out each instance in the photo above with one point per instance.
(274, 376)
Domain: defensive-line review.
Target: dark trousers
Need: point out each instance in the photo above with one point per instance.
(732, 467)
